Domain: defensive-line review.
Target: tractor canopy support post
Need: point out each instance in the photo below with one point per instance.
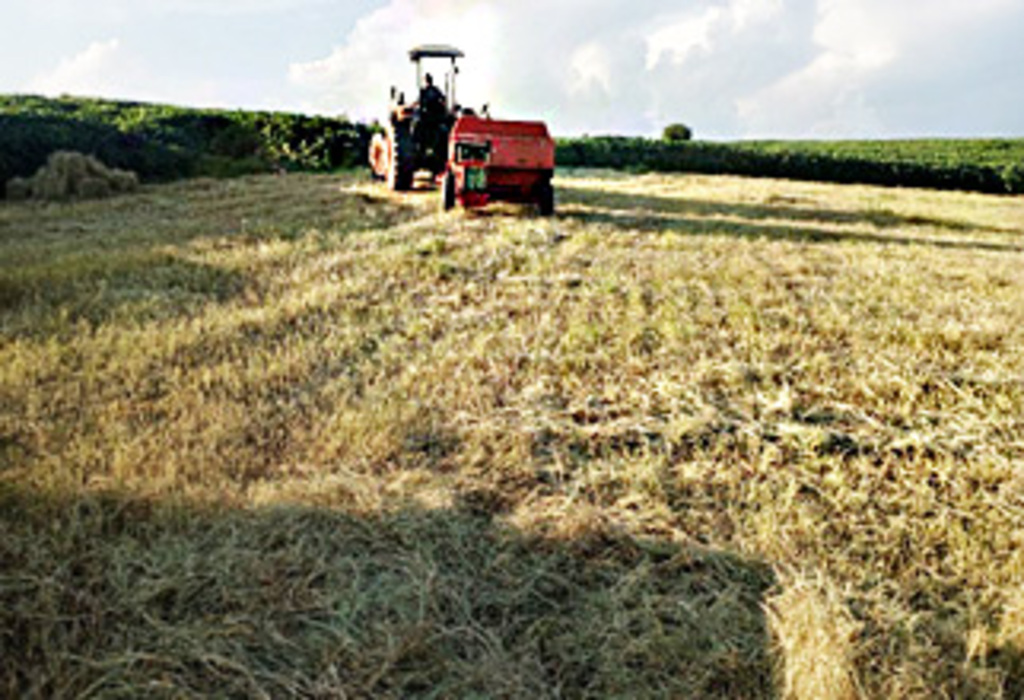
(451, 87)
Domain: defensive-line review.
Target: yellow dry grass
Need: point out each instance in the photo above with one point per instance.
(816, 638)
(294, 436)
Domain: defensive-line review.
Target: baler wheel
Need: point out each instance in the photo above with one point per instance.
(448, 192)
(400, 167)
(546, 198)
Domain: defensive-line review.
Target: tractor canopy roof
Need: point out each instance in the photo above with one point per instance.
(434, 51)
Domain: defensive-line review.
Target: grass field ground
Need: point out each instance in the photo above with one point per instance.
(692, 437)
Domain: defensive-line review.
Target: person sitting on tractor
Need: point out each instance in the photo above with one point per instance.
(432, 100)
(429, 123)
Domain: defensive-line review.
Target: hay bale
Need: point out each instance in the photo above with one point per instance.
(94, 188)
(19, 189)
(73, 166)
(69, 174)
(71, 169)
(50, 185)
(95, 168)
(123, 181)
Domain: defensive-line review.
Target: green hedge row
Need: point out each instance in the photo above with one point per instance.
(161, 142)
(994, 166)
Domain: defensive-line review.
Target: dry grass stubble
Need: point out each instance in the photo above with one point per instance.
(297, 418)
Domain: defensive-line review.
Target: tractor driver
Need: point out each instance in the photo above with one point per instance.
(431, 99)
(429, 121)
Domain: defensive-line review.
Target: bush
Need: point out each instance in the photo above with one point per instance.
(238, 141)
(677, 132)
(1013, 178)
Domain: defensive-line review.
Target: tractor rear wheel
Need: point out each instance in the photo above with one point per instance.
(448, 192)
(400, 165)
(546, 198)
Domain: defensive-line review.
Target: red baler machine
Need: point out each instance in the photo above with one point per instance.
(494, 160)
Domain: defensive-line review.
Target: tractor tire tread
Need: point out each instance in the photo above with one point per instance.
(401, 168)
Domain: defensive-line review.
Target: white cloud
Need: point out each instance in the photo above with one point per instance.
(690, 32)
(826, 99)
(224, 7)
(681, 38)
(123, 10)
(746, 13)
(100, 69)
(590, 69)
(873, 59)
(355, 77)
(107, 69)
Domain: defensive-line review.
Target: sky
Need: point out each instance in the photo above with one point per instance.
(727, 68)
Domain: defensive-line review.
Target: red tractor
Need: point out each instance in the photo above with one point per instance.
(475, 159)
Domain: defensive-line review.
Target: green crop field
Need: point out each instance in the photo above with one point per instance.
(994, 153)
(694, 436)
(978, 165)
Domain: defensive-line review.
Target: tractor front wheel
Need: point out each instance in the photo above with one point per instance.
(400, 165)
(379, 157)
(448, 192)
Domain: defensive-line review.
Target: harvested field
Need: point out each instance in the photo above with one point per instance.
(691, 437)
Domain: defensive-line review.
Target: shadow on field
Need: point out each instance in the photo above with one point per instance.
(653, 214)
(97, 289)
(111, 595)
